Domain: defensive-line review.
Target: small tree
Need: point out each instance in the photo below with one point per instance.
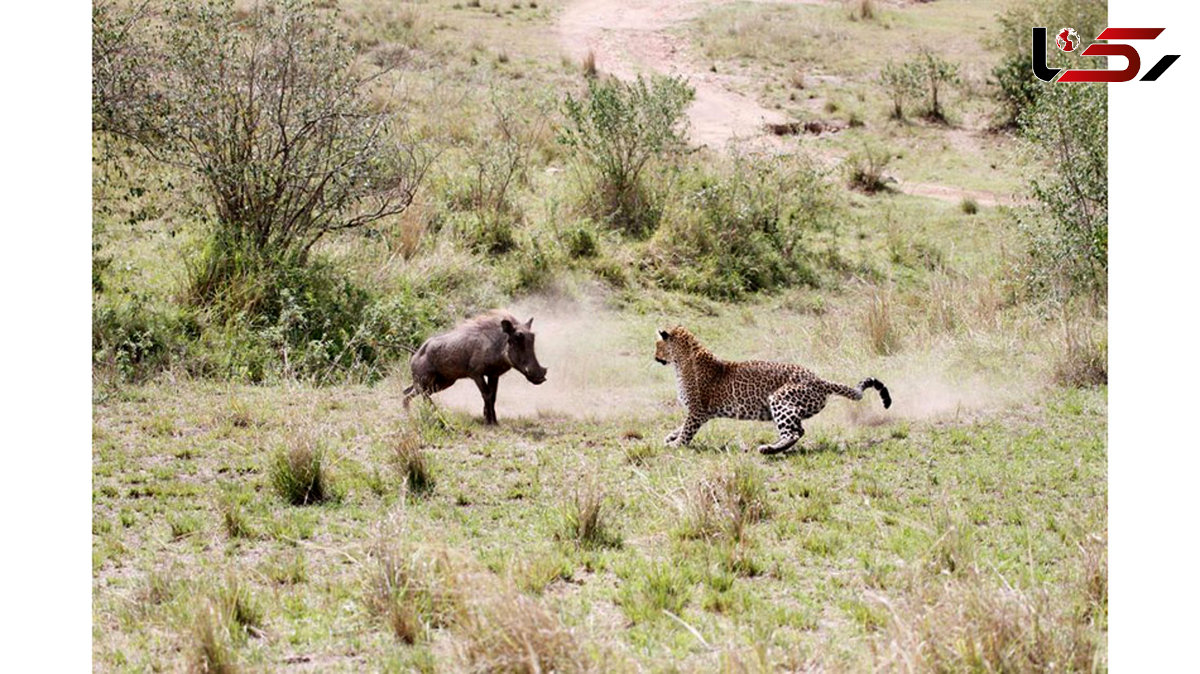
(902, 83)
(936, 73)
(269, 111)
(617, 130)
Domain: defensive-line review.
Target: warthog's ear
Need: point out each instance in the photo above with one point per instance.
(507, 326)
(664, 334)
(529, 323)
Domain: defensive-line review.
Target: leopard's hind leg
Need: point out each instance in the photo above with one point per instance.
(790, 405)
(788, 413)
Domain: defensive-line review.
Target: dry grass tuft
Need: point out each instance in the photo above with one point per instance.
(412, 464)
(971, 625)
(212, 652)
(511, 632)
(416, 589)
(584, 521)
(725, 503)
(1082, 363)
(589, 65)
(227, 616)
(862, 9)
(881, 329)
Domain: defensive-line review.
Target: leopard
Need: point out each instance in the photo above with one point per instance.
(756, 390)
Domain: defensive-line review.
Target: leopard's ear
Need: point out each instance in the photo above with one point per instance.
(664, 335)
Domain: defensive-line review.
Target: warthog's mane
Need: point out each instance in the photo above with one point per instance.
(488, 319)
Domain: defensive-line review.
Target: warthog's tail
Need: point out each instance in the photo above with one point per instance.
(857, 393)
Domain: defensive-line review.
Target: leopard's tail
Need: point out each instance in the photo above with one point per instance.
(857, 393)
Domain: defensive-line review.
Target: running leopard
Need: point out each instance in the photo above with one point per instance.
(757, 390)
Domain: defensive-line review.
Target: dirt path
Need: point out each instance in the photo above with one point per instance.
(628, 37)
(634, 36)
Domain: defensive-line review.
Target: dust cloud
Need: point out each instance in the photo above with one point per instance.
(601, 366)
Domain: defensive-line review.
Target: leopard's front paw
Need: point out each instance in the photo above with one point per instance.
(672, 440)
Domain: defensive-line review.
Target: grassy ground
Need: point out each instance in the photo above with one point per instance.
(963, 529)
(865, 521)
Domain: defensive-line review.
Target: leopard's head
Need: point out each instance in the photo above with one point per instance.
(674, 345)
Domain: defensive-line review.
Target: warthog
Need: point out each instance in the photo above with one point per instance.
(480, 349)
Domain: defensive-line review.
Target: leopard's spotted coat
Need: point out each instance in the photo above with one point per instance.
(758, 390)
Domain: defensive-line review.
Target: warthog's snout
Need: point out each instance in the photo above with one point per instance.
(538, 377)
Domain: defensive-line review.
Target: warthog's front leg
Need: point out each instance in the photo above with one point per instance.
(688, 430)
(487, 388)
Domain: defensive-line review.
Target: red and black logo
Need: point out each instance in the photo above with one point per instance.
(1068, 41)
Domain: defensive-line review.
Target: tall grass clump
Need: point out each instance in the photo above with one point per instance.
(757, 224)
(226, 616)
(882, 332)
(299, 472)
(647, 590)
(617, 130)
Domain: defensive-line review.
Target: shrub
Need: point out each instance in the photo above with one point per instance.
(134, 340)
(866, 168)
(266, 109)
(1017, 89)
(497, 164)
(616, 131)
(745, 231)
(299, 473)
(936, 74)
(969, 206)
(1068, 232)
(902, 82)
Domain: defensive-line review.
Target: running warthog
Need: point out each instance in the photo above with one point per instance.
(480, 349)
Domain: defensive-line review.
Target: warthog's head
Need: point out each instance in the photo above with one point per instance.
(519, 350)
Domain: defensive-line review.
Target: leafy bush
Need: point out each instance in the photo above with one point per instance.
(134, 340)
(745, 231)
(617, 130)
(1068, 232)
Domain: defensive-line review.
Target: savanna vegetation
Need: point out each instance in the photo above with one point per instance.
(289, 197)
